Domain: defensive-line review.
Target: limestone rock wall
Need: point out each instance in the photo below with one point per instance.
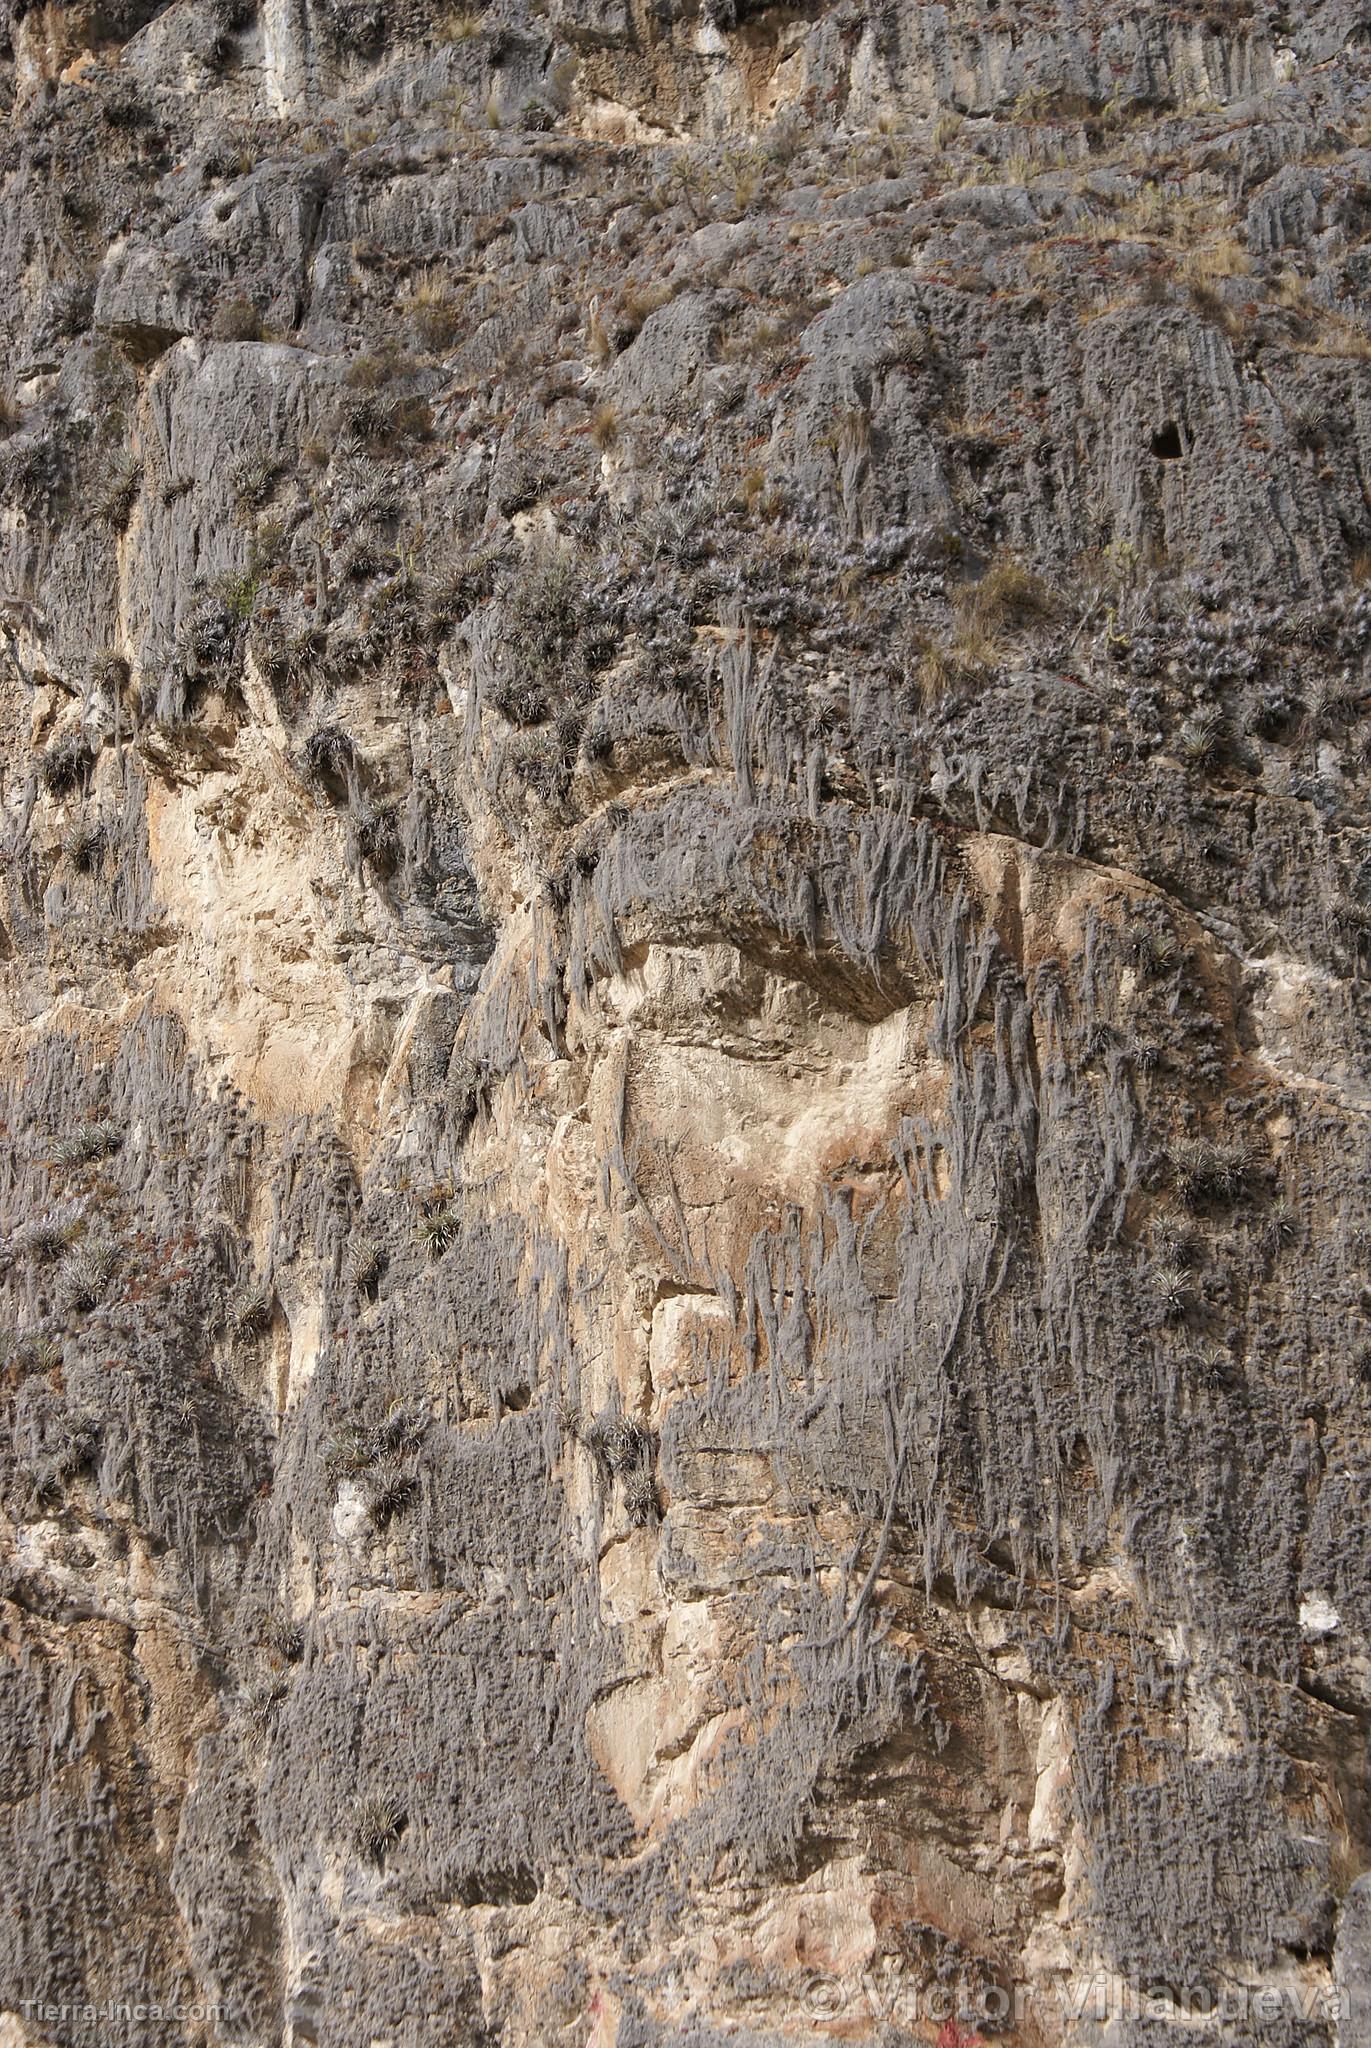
(684, 726)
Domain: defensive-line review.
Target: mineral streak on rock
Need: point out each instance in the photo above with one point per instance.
(685, 1331)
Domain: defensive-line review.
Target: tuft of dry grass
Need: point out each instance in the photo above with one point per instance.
(1314, 328)
(636, 305)
(432, 310)
(599, 344)
(236, 319)
(751, 488)
(1009, 594)
(1212, 262)
(965, 662)
(1215, 310)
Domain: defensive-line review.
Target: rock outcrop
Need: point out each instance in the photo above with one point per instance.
(685, 1335)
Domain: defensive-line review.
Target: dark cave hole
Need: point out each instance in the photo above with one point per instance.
(1166, 443)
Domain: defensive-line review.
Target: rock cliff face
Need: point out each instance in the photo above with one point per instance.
(685, 1338)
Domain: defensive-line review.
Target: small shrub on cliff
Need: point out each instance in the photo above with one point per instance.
(554, 641)
(261, 1700)
(84, 1275)
(236, 319)
(358, 26)
(382, 425)
(378, 835)
(433, 313)
(949, 665)
(1173, 1291)
(367, 1262)
(570, 1420)
(1207, 1170)
(460, 584)
(373, 370)
(542, 613)
(66, 764)
(1175, 1239)
(624, 1450)
(516, 698)
(1009, 594)
(288, 653)
(353, 1450)
(36, 1351)
(1153, 948)
(377, 1825)
(124, 110)
(437, 323)
(460, 28)
(1283, 1227)
(622, 1445)
(438, 1229)
(604, 428)
(84, 845)
(109, 671)
(401, 1428)
(1214, 261)
(250, 1313)
(365, 1446)
(284, 1639)
(71, 1452)
(211, 638)
(253, 482)
(640, 1500)
(363, 558)
(329, 754)
(46, 1237)
(391, 1487)
(1209, 305)
(37, 469)
(1202, 738)
(88, 1142)
(71, 309)
(113, 496)
(532, 762)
